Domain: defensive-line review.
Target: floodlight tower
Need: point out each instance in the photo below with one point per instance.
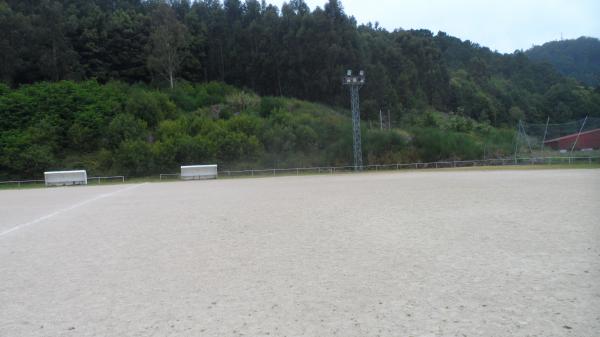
(355, 83)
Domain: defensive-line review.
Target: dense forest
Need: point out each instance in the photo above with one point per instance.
(579, 58)
(138, 87)
(292, 52)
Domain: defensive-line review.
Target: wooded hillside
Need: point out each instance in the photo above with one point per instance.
(579, 58)
(140, 87)
(292, 52)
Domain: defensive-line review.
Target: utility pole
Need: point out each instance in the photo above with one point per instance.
(524, 133)
(579, 134)
(355, 83)
(545, 134)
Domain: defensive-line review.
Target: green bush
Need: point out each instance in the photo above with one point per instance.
(21, 157)
(134, 158)
(87, 130)
(436, 144)
(4, 89)
(241, 101)
(150, 106)
(217, 92)
(384, 147)
(126, 127)
(268, 104)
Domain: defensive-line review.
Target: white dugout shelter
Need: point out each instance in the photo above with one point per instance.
(199, 172)
(64, 178)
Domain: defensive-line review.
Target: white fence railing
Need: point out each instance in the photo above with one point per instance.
(342, 169)
(22, 182)
(399, 166)
(97, 180)
(169, 175)
(100, 179)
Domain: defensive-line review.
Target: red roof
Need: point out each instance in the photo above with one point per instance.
(571, 136)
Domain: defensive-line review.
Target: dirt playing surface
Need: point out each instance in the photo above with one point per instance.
(447, 253)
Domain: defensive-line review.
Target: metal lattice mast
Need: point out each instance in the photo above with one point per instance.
(356, 127)
(355, 83)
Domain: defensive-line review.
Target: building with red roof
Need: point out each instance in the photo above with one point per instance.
(587, 140)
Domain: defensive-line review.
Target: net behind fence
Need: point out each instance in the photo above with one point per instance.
(558, 139)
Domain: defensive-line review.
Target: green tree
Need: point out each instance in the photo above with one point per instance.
(149, 106)
(126, 127)
(134, 158)
(168, 44)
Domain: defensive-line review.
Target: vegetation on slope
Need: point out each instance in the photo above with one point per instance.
(137, 87)
(579, 58)
(116, 128)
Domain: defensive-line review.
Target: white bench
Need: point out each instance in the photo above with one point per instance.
(64, 178)
(199, 172)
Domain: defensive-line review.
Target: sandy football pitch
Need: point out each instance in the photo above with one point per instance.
(438, 253)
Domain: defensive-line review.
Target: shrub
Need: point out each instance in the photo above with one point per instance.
(134, 158)
(150, 106)
(268, 104)
(242, 101)
(435, 144)
(383, 146)
(126, 127)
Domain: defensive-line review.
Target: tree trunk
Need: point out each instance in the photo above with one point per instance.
(54, 61)
(222, 61)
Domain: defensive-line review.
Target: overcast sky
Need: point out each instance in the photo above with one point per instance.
(503, 25)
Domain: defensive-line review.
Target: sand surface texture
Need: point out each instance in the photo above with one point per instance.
(446, 253)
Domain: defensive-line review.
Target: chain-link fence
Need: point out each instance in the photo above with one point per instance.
(558, 139)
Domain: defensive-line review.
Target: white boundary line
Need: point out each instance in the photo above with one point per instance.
(60, 211)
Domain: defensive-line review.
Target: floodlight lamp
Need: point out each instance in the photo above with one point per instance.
(362, 73)
(349, 72)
